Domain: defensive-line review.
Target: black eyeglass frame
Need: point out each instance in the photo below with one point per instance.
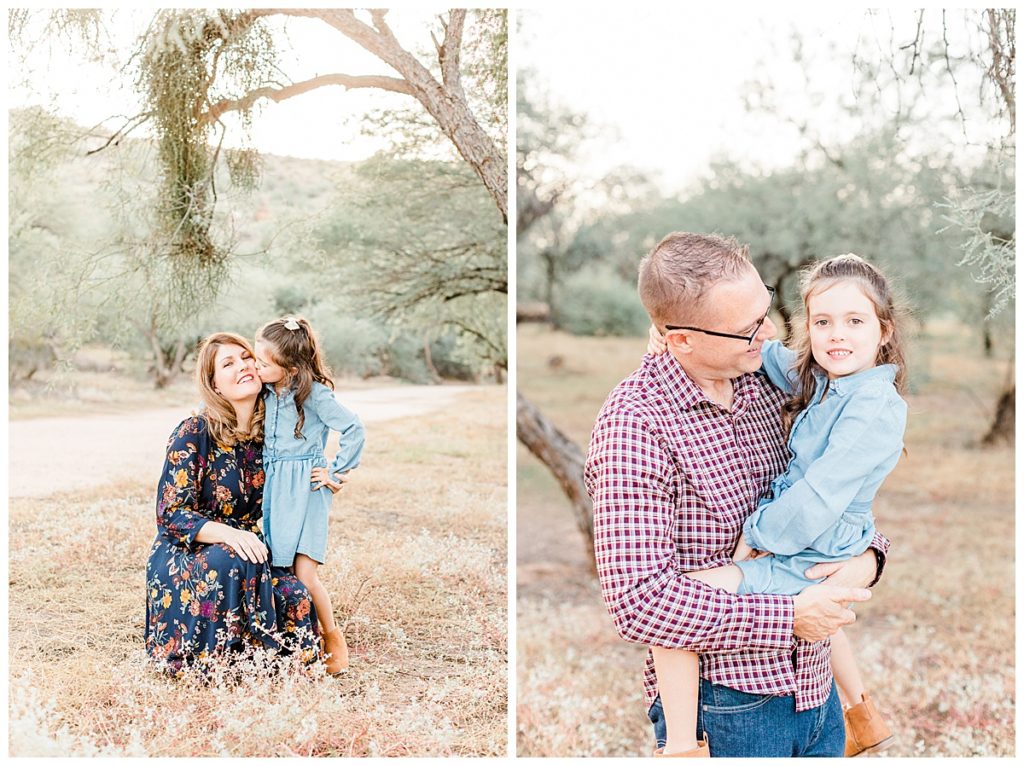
(771, 302)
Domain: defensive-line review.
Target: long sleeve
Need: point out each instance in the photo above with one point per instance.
(629, 478)
(778, 363)
(345, 422)
(867, 436)
(880, 545)
(177, 504)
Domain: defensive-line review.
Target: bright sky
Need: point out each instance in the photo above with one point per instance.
(320, 124)
(669, 81)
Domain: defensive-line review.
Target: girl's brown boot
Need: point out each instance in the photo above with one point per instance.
(701, 751)
(337, 651)
(866, 730)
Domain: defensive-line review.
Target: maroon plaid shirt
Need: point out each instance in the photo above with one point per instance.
(673, 476)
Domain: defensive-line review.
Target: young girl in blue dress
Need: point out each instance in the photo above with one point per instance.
(845, 423)
(300, 412)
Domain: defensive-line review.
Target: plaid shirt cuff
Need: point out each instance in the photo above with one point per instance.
(771, 621)
(694, 616)
(880, 545)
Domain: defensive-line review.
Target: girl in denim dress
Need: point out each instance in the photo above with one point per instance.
(845, 422)
(300, 412)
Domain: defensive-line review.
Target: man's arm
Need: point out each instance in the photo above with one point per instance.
(629, 478)
(862, 571)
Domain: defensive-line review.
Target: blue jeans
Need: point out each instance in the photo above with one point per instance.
(741, 725)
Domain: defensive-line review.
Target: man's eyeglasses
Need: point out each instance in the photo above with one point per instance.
(748, 338)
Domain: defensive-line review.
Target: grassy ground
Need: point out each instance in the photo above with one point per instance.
(417, 572)
(936, 643)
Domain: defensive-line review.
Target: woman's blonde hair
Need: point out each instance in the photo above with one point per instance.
(220, 417)
(296, 345)
(891, 315)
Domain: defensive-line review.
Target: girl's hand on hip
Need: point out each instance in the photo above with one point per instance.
(655, 342)
(321, 478)
(247, 545)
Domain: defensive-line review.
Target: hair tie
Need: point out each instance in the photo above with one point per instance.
(291, 324)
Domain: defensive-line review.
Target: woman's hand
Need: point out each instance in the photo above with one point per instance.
(246, 544)
(655, 342)
(321, 478)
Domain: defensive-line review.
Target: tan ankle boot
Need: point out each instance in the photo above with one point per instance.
(701, 751)
(337, 649)
(866, 731)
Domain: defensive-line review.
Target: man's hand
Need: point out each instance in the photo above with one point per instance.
(858, 572)
(820, 610)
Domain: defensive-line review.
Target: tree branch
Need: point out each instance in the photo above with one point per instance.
(296, 89)
(1001, 71)
(449, 53)
(122, 132)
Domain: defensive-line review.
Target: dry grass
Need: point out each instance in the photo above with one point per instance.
(417, 572)
(936, 643)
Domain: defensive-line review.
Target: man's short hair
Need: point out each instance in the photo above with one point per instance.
(677, 274)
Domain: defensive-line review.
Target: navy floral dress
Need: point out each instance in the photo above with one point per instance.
(202, 599)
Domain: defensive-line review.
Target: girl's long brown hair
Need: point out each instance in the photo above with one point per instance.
(221, 421)
(299, 349)
(891, 315)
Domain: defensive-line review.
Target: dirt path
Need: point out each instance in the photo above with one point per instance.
(49, 455)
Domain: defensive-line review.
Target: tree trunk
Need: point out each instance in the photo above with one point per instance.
(550, 275)
(565, 461)
(1002, 429)
(167, 360)
(986, 325)
(435, 377)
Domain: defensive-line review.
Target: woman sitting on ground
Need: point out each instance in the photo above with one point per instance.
(209, 584)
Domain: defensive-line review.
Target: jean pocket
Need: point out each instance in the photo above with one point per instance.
(730, 702)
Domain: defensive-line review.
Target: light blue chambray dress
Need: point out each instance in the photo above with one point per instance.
(295, 515)
(819, 509)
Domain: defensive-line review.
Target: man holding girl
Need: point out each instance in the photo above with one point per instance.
(681, 453)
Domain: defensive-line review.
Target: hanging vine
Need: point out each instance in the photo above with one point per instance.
(182, 70)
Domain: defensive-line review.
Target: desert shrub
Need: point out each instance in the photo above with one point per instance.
(448, 361)
(599, 302)
(364, 347)
(353, 345)
(405, 359)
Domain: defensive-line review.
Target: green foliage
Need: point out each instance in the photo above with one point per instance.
(353, 345)
(178, 68)
(416, 244)
(599, 302)
(51, 230)
(986, 218)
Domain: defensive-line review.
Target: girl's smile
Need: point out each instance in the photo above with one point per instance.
(844, 329)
